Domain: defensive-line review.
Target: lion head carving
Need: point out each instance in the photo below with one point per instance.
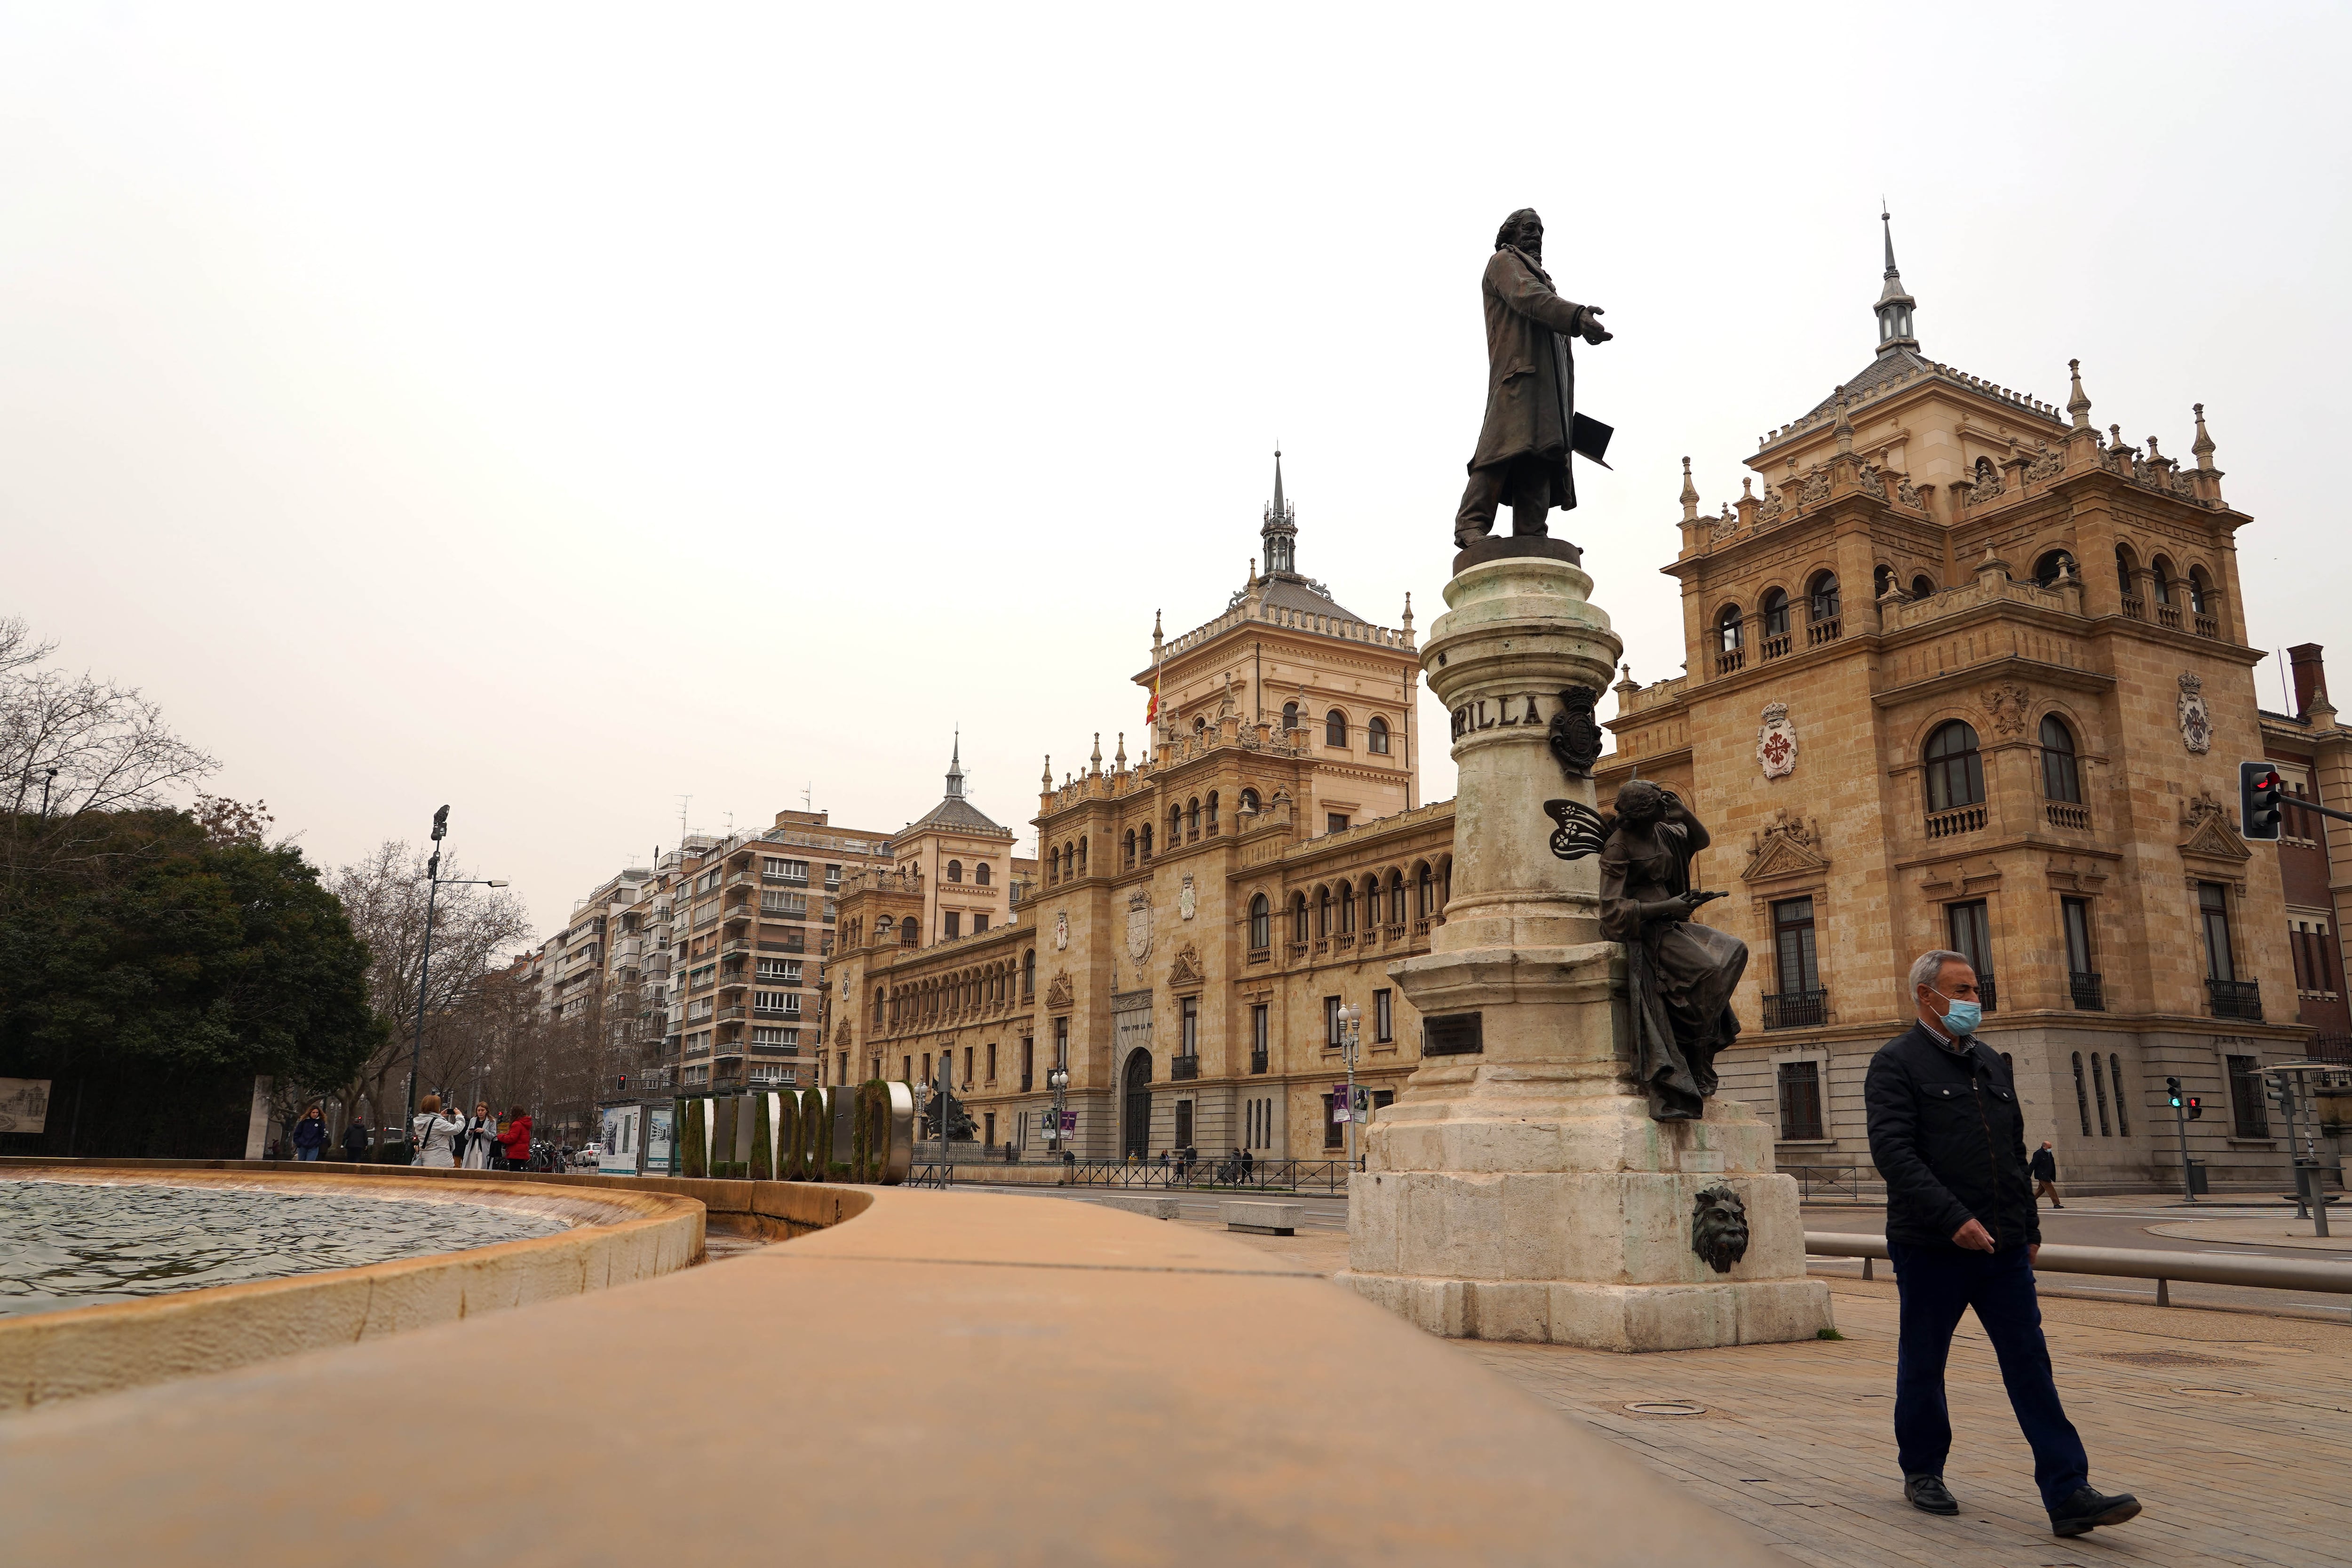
(1720, 1229)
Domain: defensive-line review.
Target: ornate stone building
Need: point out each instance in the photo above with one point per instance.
(1970, 673)
(1966, 673)
(1201, 914)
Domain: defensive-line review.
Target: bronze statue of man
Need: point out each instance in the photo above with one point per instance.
(1522, 459)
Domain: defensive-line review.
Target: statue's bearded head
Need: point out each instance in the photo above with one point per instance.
(1523, 229)
(1641, 803)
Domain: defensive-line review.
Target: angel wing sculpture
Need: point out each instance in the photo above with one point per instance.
(1579, 831)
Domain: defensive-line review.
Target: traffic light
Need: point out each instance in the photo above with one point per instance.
(2259, 789)
(2195, 1108)
(441, 825)
(2172, 1092)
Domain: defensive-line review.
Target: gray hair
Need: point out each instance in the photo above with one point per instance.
(1929, 967)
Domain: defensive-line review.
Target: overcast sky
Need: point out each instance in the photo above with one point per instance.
(557, 411)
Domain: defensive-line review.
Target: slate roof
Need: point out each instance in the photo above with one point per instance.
(956, 814)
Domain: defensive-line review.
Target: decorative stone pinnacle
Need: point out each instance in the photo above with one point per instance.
(2203, 449)
(2079, 405)
(1690, 495)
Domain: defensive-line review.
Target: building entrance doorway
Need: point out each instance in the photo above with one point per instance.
(1135, 1128)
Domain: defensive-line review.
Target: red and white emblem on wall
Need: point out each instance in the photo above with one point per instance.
(2196, 718)
(1776, 742)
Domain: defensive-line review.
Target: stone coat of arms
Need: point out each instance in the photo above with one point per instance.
(1776, 742)
(2196, 720)
(1138, 928)
(1186, 901)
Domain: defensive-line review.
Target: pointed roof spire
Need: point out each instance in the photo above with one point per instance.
(1094, 761)
(1118, 761)
(955, 767)
(1281, 530)
(2079, 405)
(1045, 779)
(1277, 476)
(1894, 305)
(1689, 495)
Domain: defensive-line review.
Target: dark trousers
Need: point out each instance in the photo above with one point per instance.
(1530, 481)
(1936, 1284)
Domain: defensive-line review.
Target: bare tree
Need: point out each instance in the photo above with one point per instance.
(474, 928)
(73, 748)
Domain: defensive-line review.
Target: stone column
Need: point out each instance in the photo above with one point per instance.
(1518, 1188)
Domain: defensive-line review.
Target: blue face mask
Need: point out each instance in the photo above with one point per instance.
(1962, 1017)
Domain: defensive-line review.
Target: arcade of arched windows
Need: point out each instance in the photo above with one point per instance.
(1392, 906)
(971, 992)
(1784, 617)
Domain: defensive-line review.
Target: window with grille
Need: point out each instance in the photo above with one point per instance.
(2252, 1116)
(2213, 909)
(1383, 1017)
(1801, 1102)
(1792, 946)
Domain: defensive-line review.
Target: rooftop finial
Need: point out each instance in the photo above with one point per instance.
(1895, 307)
(1843, 429)
(2079, 405)
(1119, 761)
(1690, 495)
(2203, 447)
(955, 767)
(1096, 760)
(1045, 779)
(1408, 608)
(1281, 530)
(1155, 628)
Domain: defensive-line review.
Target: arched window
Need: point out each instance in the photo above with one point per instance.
(908, 933)
(1347, 908)
(1882, 582)
(1129, 844)
(1249, 800)
(1212, 811)
(1289, 716)
(1396, 899)
(1423, 906)
(877, 1007)
(1322, 911)
(1376, 737)
(1955, 767)
(1192, 819)
(1729, 629)
(1775, 610)
(1082, 856)
(955, 870)
(979, 873)
(2160, 570)
(2201, 591)
(1146, 841)
(2126, 570)
(1923, 586)
(1299, 927)
(1335, 729)
(1199, 726)
(1822, 599)
(883, 929)
(2051, 566)
(2062, 775)
(1029, 973)
(1261, 924)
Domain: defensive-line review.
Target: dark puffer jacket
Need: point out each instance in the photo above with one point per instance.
(1946, 1133)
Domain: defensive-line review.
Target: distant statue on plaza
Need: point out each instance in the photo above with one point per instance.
(1531, 425)
(1681, 974)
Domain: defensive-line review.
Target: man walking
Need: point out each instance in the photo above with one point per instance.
(1962, 1229)
(2045, 1175)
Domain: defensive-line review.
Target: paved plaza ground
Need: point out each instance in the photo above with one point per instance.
(2233, 1427)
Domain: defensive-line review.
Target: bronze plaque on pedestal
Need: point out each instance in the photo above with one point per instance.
(1453, 1034)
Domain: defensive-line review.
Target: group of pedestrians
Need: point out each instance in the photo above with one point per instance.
(446, 1139)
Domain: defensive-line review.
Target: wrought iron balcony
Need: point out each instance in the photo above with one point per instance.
(2237, 999)
(2090, 996)
(1987, 994)
(1258, 1061)
(1797, 1010)
(1180, 1068)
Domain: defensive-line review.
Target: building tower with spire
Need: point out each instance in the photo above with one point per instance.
(1281, 530)
(1968, 675)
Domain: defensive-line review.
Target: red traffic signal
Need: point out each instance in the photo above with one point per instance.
(2195, 1108)
(2259, 789)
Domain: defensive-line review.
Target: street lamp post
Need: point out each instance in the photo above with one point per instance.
(1058, 1079)
(1351, 1018)
(425, 963)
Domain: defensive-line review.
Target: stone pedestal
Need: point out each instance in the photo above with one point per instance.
(1519, 1190)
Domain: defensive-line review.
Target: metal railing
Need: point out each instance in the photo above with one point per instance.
(2137, 1263)
(1184, 1068)
(1988, 993)
(1825, 1181)
(1328, 1176)
(2088, 990)
(1797, 1010)
(2237, 999)
(1258, 1061)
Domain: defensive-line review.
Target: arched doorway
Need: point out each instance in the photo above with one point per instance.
(1135, 1126)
